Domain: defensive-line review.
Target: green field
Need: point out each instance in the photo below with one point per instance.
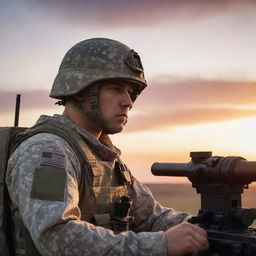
(182, 197)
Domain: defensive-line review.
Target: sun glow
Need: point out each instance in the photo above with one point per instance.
(246, 136)
(173, 144)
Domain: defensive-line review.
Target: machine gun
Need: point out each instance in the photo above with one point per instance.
(220, 181)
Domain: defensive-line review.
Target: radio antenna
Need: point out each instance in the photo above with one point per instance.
(17, 111)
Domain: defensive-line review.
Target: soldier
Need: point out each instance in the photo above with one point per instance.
(70, 192)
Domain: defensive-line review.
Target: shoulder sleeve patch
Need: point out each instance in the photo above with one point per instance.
(49, 184)
(53, 159)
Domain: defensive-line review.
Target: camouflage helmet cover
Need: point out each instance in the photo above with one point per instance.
(96, 60)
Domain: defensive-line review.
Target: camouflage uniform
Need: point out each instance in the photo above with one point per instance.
(56, 226)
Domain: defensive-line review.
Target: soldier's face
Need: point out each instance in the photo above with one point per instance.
(115, 103)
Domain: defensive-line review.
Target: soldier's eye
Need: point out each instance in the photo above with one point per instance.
(115, 88)
(130, 91)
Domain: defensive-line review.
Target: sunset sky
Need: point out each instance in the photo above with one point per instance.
(199, 58)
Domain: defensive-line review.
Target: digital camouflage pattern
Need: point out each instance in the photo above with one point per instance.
(95, 60)
(56, 226)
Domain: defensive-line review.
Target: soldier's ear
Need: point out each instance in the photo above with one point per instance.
(81, 96)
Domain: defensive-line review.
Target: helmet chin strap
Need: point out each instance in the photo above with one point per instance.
(94, 114)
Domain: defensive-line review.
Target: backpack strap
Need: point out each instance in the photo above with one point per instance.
(71, 136)
(7, 136)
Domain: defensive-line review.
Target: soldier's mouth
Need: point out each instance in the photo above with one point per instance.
(123, 115)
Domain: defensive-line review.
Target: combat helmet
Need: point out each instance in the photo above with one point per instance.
(92, 61)
(95, 60)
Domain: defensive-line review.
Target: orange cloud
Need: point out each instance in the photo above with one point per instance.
(173, 103)
(175, 117)
(171, 91)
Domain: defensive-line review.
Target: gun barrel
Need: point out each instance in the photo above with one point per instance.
(229, 170)
(170, 169)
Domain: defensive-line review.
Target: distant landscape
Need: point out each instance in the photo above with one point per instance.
(182, 197)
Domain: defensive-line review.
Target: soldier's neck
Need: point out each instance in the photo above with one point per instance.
(81, 120)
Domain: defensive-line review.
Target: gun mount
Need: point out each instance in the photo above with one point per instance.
(220, 181)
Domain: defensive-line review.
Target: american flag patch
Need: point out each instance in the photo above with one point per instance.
(53, 159)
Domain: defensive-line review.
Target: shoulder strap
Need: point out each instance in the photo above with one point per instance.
(71, 136)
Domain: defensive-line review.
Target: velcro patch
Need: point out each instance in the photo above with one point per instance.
(53, 159)
(49, 184)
